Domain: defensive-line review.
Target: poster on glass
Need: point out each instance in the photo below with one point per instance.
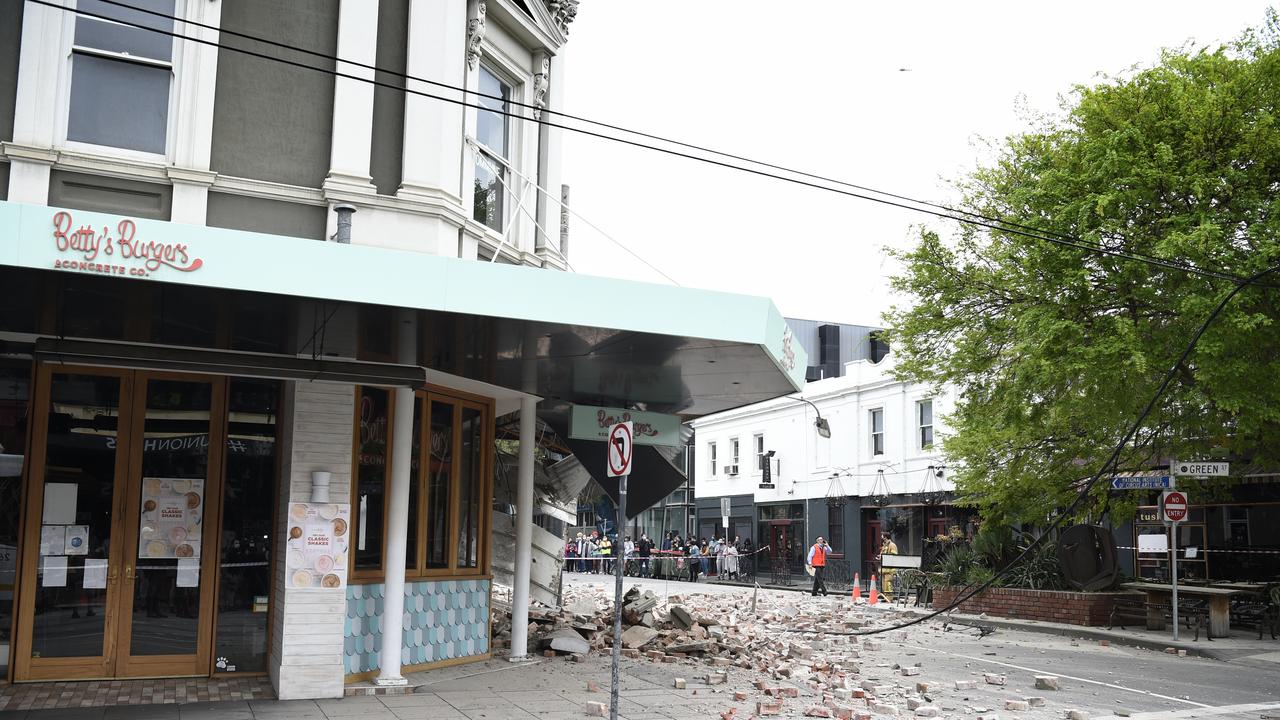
(172, 513)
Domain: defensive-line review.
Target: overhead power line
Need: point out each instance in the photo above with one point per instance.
(860, 192)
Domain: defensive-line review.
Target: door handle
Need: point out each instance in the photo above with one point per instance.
(112, 574)
(128, 572)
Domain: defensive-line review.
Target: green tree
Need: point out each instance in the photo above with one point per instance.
(1054, 350)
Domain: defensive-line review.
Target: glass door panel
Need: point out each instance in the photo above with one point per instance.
(72, 518)
(439, 479)
(165, 551)
(470, 487)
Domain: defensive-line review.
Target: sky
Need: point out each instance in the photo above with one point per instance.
(897, 96)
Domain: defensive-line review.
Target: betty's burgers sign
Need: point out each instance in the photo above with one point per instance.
(116, 250)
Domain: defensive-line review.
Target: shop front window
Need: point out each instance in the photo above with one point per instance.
(15, 389)
(448, 487)
(244, 581)
(373, 408)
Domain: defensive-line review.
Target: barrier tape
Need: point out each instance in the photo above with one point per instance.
(664, 554)
(1206, 550)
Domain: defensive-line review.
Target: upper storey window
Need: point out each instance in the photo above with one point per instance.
(493, 135)
(121, 76)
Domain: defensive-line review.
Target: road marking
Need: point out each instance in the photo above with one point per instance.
(1058, 674)
(1200, 712)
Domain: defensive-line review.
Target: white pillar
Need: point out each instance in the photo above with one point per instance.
(398, 514)
(524, 529)
(524, 499)
(433, 128)
(40, 74)
(353, 99)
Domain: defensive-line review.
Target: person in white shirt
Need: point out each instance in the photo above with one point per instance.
(817, 559)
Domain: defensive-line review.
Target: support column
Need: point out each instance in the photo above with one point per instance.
(353, 100)
(549, 163)
(398, 513)
(40, 66)
(524, 501)
(438, 32)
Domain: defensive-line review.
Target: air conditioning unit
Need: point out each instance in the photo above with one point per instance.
(731, 469)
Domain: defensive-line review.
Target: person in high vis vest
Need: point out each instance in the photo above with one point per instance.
(818, 561)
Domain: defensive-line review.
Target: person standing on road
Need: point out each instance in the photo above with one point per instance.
(818, 561)
(695, 561)
(606, 552)
(644, 549)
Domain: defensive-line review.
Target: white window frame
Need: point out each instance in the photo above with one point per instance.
(872, 434)
(757, 441)
(711, 458)
(488, 64)
(63, 111)
(735, 453)
(921, 426)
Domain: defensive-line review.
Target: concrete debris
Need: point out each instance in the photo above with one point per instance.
(1047, 682)
(638, 636)
(788, 658)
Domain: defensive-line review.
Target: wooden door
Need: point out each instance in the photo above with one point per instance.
(170, 526)
(70, 588)
(110, 586)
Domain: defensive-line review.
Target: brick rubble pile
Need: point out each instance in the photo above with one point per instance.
(792, 657)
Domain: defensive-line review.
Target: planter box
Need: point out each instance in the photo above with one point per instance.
(1060, 606)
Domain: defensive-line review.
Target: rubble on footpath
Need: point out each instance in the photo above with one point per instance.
(794, 657)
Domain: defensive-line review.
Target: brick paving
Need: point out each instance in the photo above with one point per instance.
(99, 693)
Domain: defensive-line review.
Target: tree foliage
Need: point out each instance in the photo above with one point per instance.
(1055, 350)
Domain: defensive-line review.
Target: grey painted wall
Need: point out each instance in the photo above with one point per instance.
(388, 105)
(240, 212)
(10, 46)
(110, 195)
(272, 121)
(4, 181)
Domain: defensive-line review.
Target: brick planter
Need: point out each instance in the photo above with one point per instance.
(1060, 606)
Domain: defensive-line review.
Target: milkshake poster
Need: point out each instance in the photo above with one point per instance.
(172, 518)
(316, 555)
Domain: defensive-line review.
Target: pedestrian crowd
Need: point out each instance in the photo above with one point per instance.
(673, 557)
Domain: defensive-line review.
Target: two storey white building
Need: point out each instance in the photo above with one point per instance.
(880, 471)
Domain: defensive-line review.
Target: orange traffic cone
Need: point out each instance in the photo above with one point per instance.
(873, 596)
(857, 588)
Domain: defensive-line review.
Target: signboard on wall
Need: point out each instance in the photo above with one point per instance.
(589, 422)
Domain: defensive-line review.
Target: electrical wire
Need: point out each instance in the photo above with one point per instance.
(971, 590)
(898, 201)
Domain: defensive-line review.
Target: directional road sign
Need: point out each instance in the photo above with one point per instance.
(1140, 482)
(1175, 506)
(619, 453)
(1199, 469)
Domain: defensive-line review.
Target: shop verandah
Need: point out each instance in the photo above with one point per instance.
(245, 395)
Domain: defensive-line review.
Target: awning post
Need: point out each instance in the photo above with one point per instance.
(398, 514)
(524, 502)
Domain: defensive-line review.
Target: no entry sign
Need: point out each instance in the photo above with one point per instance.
(1175, 506)
(620, 443)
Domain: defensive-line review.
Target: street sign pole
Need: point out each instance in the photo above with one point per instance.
(1173, 564)
(617, 602)
(618, 464)
(1175, 508)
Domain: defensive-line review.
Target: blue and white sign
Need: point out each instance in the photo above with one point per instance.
(1140, 482)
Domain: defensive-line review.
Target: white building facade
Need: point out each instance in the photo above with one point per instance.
(883, 460)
